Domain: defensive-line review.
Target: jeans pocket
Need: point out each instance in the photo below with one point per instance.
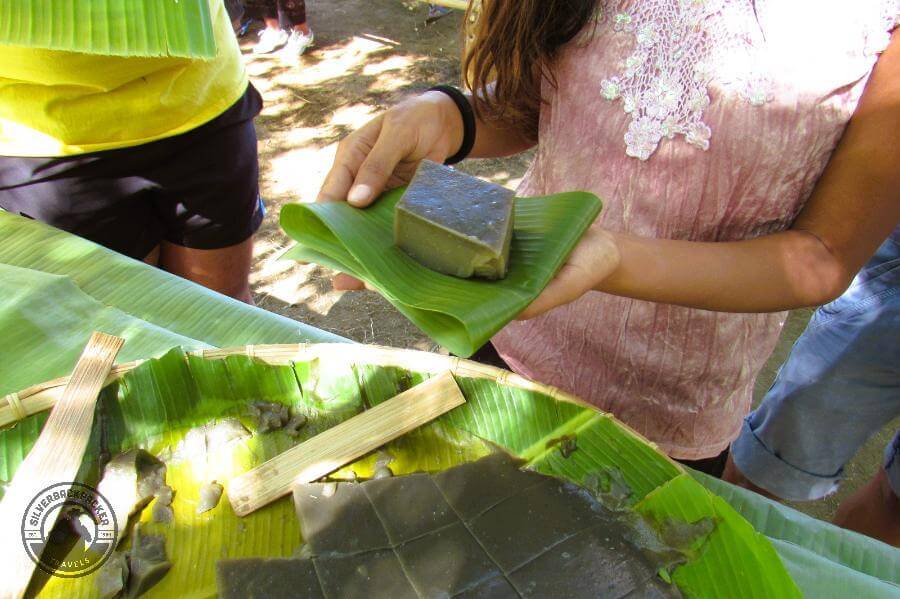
(869, 289)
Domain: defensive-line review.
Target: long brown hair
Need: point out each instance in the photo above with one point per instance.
(514, 44)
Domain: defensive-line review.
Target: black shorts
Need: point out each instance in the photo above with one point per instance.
(199, 189)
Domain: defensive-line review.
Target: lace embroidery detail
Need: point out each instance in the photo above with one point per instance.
(879, 38)
(679, 45)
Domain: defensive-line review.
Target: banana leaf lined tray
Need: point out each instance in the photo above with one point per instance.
(152, 404)
(55, 288)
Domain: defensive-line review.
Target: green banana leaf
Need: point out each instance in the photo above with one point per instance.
(111, 27)
(156, 403)
(460, 315)
(160, 311)
(56, 289)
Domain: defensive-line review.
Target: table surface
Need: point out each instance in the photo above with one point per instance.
(56, 288)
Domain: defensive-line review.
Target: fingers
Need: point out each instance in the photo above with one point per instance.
(377, 169)
(337, 183)
(594, 258)
(351, 153)
(566, 287)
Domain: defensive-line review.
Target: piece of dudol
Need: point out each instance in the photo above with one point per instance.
(454, 223)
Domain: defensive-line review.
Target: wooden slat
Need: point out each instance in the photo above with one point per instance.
(55, 457)
(344, 443)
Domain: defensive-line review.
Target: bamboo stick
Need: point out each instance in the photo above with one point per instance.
(55, 457)
(330, 450)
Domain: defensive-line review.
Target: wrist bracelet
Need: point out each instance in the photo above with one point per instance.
(468, 117)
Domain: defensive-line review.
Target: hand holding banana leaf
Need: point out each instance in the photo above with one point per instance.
(349, 231)
(384, 154)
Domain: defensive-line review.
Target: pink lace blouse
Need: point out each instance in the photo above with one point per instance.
(706, 120)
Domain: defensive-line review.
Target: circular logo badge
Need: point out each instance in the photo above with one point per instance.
(69, 530)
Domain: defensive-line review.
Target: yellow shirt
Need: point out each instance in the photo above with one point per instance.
(55, 103)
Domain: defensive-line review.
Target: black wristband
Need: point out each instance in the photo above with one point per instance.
(468, 117)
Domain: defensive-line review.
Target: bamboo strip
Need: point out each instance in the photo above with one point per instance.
(55, 457)
(341, 444)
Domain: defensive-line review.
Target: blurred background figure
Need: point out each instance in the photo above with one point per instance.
(435, 12)
(286, 26)
(239, 21)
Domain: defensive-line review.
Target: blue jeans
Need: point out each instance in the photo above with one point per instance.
(840, 385)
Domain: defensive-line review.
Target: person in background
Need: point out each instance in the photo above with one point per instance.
(435, 12)
(286, 27)
(839, 386)
(747, 157)
(239, 23)
(153, 157)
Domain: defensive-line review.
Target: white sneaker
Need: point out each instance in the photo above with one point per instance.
(270, 40)
(297, 44)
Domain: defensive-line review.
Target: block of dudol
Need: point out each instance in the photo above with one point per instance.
(454, 223)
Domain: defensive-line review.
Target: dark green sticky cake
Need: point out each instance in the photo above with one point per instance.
(455, 224)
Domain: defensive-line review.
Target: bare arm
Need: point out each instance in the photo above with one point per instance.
(854, 207)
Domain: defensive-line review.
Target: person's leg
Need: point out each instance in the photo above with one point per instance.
(153, 257)
(209, 201)
(226, 270)
(293, 16)
(874, 510)
(235, 9)
(273, 36)
(840, 384)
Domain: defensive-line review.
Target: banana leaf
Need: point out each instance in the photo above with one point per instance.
(154, 404)
(161, 311)
(56, 289)
(459, 314)
(111, 27)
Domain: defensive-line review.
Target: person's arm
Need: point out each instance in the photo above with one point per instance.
(853, 208)
(385, 152)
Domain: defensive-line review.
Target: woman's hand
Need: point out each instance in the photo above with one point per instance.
(594, 258)
(385, 152)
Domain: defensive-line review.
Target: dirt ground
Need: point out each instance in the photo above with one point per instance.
(369, 54)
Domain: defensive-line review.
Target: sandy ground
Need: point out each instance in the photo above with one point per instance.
(369, 54)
